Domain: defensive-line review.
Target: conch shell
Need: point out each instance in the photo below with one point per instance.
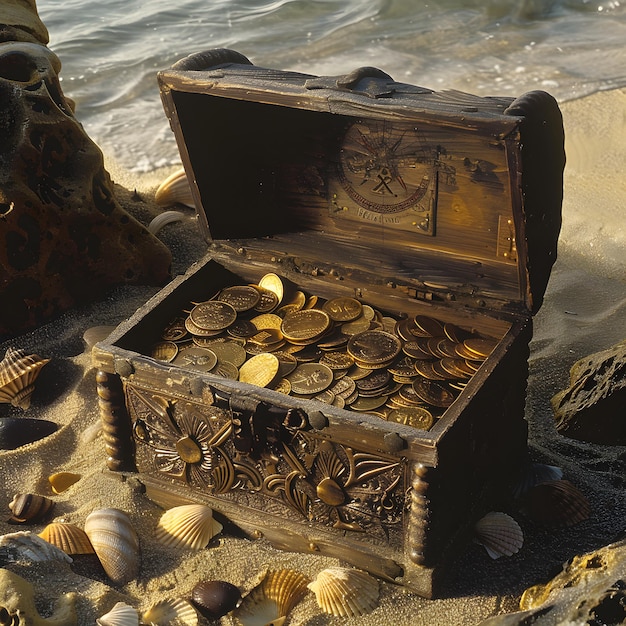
(18, 372)
(29, 507)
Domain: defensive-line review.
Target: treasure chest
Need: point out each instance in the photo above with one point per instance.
(345, 370)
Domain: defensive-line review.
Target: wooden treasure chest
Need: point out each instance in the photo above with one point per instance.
(345, 371)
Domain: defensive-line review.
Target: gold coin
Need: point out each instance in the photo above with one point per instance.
(363, 405)
(196, 358)
(310, 378)
(228, 352)
(480, 346)
(416, 350)
(196, 331)
(259, 370)
(433, 393)
(297, 300)
(406, 330)
(327, 397)
(164, 351)
(267, 320)
(242, 329)
(343, 309)
(339, 402)
(266, 337)
(305, 324)
(175, 330)
(374, 347)
(213, 315)
(283, 386)
(359, 325)
(240, 297)
(428, 326)
(427, 370)
(374, 381)
(225, 370)
(268, 300)
(344, 387)
(337, 360)
(418, 417)
(287, 361)
(455, 333)
(273, 283)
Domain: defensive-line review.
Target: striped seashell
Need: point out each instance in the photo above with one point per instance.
(556, 504)
(18, 372)
(68, 537)
(499, 534)
(29, 507)
(27, 546)
(345, 591)
(533, 474)
(272, 599)
(176, 612)
(115, 543)
(188, 526)
(175, 189)
(9, 619)
(121, 614)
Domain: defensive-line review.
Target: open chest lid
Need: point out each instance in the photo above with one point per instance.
(446, 195)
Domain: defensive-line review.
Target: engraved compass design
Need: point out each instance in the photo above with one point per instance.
(388, 173)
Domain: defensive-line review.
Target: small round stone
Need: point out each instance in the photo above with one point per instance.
(215, 598)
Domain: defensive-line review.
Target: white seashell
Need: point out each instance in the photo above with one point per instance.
(499, 534)
(163, 219)
(27, 546)
(18, 372)
(115, 542)
(120, 615)
(187, 526)
(175, 189)
(345, 591)
(177, 612)
(272, 599)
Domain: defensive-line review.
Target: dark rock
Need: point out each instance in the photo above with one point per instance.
(19, 431)
(64, 237)
(593, 408)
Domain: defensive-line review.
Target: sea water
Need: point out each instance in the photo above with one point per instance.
(112, 50)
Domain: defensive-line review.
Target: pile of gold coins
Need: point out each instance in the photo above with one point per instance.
(338, 351)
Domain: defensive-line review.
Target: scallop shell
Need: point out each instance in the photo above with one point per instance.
(121, 614)
(215, 598)
(272, 599)
(187, 526)
(499, 534)
(556, 504)
(27, 546)
(175, 189)
(177, 612)
(68, 537)
(115, 542)
(61, 481)
(29, 507)
(345, 591)
(18, 372)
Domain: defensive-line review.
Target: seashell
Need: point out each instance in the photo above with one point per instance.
(17, 596)
(215, 598)
(68, 537)
(29, 507)
(345, 591)
(175, 189)
(556, 504)
(19, 431)
(499, 534)
(18, 372)
(95, 334)
(121, 614)
(61, 481)
(27, 546)
(187, 526)
(272, 599)
(177, 612)
(534, 473)
(163, 219)
(115, 543)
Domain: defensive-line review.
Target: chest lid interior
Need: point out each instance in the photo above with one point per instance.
(456, 196)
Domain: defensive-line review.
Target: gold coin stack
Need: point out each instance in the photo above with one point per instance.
(338, 351)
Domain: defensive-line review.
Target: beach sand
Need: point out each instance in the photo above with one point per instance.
(583, 312)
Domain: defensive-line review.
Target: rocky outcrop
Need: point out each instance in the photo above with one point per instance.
(593, 408)
(64, 237)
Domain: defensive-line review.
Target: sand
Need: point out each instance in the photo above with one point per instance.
(583, 312)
